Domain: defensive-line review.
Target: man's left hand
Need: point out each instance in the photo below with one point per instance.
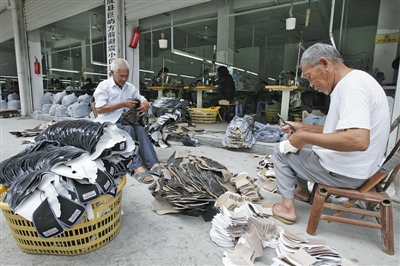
(143, 108)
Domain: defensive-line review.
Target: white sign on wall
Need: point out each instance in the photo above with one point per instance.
(112, 9)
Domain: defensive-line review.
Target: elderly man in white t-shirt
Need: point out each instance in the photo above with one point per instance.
(348, 148)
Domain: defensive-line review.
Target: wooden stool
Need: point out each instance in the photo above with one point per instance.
(227, 109)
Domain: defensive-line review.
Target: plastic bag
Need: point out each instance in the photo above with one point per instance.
(12, 96)
(84, 98)
(46, 108)
(79, 110)
(48, 97)
(3, 104)
(53, 108)
(58, 97)
(14, 104)
(69, 99)
(267, 133)
(61, 111)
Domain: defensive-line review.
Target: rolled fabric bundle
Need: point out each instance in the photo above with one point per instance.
(82, 134)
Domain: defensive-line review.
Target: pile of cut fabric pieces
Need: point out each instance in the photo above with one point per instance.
(72, 163)
(244, 226)
(294, 250)
(239, 133)
(172, 119)
(266, 173)
(191, 184)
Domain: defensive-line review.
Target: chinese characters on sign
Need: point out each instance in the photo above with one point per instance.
(111, 28)
(386, 38)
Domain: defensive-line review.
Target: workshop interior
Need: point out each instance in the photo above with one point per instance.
(260, 42)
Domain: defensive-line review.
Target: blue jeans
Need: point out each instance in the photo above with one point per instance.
(146, 149)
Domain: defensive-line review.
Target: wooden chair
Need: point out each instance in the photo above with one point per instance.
(373, 191)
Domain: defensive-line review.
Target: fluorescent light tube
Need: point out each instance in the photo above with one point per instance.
(186, 76)
(187, 55)
(64, 70)
(98, 63)
(147, 71)
(92, 73)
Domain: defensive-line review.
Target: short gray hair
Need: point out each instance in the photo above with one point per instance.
(311, 56)
(119, 63)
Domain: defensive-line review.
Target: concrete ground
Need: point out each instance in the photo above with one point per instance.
(146, 238)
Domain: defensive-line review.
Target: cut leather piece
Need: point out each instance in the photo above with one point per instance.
(109, 168)
(113, 190)
(269, 186)
(104, 181)
(106, 142)
(111, 138)
(244, 183)
(230, 201)
(46, 185)
(86, 192)
(188, 141)
(208, 164)
(71, 211)
(30, 204)
(78, 168)
(45, 222)
(120, 146)
(162, 206)
(125, 164)
(301, 257)
(22, 188)
(80, 133)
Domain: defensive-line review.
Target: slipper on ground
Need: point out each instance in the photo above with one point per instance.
(141, 176)
(299, 199)
(156, 171)
(274, 215)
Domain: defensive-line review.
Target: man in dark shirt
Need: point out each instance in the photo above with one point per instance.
(89, 86)
(227, 90)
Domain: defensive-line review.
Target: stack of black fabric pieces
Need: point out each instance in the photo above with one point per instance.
(168, 111)
(72, 163)
(190, 185)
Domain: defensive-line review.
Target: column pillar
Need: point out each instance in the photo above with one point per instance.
(21, 55)
(226, 35)
(385, 48)
(36, 79)
(132, 55)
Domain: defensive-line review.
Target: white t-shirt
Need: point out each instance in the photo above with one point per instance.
(107, 92)
(357, 101)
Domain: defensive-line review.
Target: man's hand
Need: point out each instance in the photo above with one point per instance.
(143, 108)
(129, 103)
(288, 129)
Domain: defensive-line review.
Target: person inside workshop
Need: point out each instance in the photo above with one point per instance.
(161, 77)
(348, 148)
(112, 97)
(226, 87)
(89, 86)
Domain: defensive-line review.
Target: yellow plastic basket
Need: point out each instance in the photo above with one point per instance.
(271, 115)
(204, 115)
(84, 237)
